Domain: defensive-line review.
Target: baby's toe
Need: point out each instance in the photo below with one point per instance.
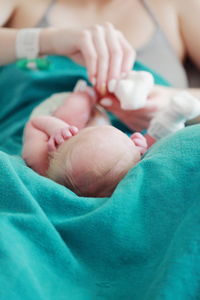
(73, 130)
(66, 133)
(59, 139)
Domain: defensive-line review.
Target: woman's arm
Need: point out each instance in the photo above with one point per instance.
(103, 50)
(189, 24)
(188, 13)
(139, 119)
(7, 36)
(7, 49)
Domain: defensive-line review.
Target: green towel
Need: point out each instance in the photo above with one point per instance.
(22, 90)
(141, 243)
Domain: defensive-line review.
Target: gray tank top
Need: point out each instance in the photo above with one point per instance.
(157, 54)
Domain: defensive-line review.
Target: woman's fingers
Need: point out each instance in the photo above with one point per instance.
(102, 58)
(106, 54)
(135, 119)
(115, 52)
(129, 54)
(103, 50)
(89, 54)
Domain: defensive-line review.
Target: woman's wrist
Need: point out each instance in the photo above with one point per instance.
(47, 41)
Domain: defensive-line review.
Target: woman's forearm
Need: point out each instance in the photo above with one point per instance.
(8, 44)
(7, 48)
(195, 92)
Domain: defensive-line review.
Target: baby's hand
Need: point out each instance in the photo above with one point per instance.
(60, 136)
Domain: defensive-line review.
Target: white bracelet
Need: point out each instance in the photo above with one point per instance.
(27, 43)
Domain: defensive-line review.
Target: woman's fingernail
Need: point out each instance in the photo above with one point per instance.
(111, 85)
(93, 81)
(106, 102)
(103, 89)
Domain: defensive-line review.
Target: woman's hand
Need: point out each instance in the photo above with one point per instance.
(103, 50)
(139, 119)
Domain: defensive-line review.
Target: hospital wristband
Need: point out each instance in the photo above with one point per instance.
(27, 43)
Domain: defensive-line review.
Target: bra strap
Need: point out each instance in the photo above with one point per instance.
(51, 4)
(150, 12)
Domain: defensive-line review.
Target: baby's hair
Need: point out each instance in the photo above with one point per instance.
(98, 178)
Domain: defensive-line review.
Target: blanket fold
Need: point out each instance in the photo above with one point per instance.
(141, 243)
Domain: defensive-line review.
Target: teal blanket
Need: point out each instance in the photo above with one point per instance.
(142, 243)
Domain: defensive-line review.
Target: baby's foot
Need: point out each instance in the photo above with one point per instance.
(82, 87)
(60, 136)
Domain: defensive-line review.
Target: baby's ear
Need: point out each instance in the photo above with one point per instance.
(140, 142)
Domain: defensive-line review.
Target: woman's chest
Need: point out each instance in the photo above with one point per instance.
(130, 16)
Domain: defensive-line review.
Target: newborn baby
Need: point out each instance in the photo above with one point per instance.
(69, 140)
(75, 146)
(93, 162)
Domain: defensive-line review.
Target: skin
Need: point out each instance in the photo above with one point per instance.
(105, 61)
(98, 158)
(112, 145)
(43, 135)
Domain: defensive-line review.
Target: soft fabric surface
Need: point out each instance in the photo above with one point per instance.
(142, 243)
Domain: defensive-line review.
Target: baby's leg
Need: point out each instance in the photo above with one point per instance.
(99, 117)
(76, 109)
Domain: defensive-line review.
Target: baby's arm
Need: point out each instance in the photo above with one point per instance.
(37, 135)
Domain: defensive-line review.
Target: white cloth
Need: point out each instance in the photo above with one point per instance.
(132, 89)
(182, 107)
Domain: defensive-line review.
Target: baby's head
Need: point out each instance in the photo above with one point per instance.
(94, 161)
